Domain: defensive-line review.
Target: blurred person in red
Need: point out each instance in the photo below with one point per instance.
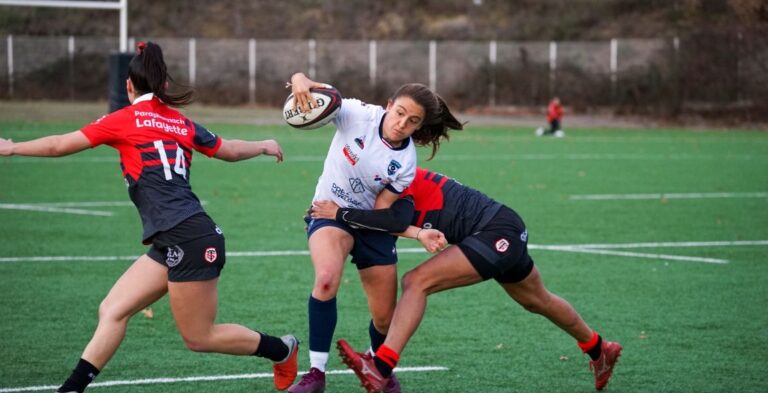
(554, 117)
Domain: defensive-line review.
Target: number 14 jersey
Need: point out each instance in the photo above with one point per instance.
(155, 144)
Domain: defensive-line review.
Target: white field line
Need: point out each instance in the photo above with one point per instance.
(666, 244)
(445, 157)
(155, 381)
(594, 248)
(693, 195)
(53, 209)
(584, 250)
(70, 207)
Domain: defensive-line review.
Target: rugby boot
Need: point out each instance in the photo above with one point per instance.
(363, 366)
(393, 385)
(603, 366)
(284, 372)
(311, 382)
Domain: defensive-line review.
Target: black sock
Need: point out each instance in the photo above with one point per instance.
(384, 368)
(272, 348)
(83, 374)
(377, 338)
(597, 350)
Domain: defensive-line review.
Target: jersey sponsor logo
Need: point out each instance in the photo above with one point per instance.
(393, 167)
(174, 256)
(210, 255)
(357, 185)
(502, 245)
(360, 142)
(154, 123)
(351, 156)
(343, 195)
(524, 236)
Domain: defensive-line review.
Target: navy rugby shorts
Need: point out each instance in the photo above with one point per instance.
(372, 248)
(198, 259)
(500, 249)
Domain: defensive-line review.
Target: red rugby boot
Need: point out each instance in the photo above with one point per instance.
(363, 366)
(603, 366)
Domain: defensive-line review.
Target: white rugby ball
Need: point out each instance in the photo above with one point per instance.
(327, 102)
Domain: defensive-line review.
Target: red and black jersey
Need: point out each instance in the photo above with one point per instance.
(155, 144)
(449, 206)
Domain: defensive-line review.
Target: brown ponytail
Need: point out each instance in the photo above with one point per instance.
(438, 118)
(149, 74)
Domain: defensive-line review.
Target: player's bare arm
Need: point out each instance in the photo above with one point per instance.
(49, 146)
(237, 150)
(300, 85)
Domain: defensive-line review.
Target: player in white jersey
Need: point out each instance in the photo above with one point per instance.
(360, 163)
(372, 159)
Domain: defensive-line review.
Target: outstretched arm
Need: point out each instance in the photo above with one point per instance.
(49, 146)
(236, 150)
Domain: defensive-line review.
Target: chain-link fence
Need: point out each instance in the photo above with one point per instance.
(659, 75)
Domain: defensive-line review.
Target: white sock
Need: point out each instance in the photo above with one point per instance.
(318, 360)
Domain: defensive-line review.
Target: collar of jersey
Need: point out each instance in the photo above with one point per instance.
(145, 97)
(381, 136)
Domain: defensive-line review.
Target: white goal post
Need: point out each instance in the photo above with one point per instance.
(121, 5)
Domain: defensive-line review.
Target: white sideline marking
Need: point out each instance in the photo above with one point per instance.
(443, 157)
(154, 381)
(53, 209)
(594, 248)
(693, 195)
(585, 250)
(69, 207)
(667, 244)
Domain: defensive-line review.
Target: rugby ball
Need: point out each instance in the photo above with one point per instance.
(327, 102)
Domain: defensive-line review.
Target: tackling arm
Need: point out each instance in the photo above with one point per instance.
(394, 219)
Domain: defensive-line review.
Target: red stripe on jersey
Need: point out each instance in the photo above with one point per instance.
(427, 192)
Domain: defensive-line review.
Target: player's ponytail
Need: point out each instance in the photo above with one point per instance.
(149, 74)
(438, 118)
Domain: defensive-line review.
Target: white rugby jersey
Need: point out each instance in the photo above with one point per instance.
(360, 163)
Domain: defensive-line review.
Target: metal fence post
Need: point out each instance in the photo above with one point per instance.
(372, 63)
(192, 61)
(433, 65)
(614, 67)
(9, 48)
(252, 71)
(492, 71)
(312, 44)
(71, 58)
(552, 68)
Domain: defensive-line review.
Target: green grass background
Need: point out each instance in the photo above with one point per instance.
(685, 326)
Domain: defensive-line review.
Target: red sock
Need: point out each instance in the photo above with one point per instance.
(586, 346)
(592, 347)
(386, 359)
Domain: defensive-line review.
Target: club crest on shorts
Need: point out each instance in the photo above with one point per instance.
(174, 256)
(502, 245)
(210, 255)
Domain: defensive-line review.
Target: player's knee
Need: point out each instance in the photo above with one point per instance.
(110, 312)
(326, 285)
(196, 344)
(414, 281)
(382, 322)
